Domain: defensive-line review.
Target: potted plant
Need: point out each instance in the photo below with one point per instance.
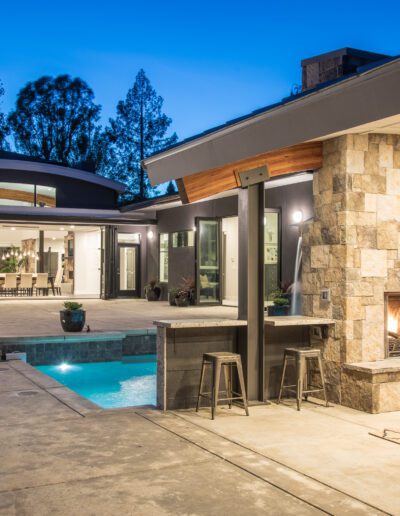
(72, 317)
(172, 295)
(189, 286)
(281, 304)
(182, 298)
(152, 290)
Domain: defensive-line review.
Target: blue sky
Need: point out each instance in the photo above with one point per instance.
(210, 60)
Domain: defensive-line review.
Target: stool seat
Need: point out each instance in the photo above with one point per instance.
(302, 356)
(219, 360)
(222, 356)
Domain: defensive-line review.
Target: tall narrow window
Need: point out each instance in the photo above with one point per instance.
(164, 257)
(271, 253)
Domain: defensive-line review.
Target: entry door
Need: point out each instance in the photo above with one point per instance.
(128, 270)
(208, 260)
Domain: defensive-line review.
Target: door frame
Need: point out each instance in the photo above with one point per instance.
(128, 293)
(197, 268)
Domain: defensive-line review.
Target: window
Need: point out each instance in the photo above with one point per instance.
(129, 238)
(164, 257)
(271, 253)
(21, 194)
(183, 239)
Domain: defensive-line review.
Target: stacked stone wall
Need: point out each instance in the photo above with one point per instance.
(352, 247)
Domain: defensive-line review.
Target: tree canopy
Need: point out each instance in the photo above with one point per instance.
(4, 130)
(139, 129)
(55, 118)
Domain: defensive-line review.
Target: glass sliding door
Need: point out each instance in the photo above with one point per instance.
(128, 270)
(208, 261)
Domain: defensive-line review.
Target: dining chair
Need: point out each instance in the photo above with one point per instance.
(26, 284)
(10, 284)
(58, 281)
(42, 283)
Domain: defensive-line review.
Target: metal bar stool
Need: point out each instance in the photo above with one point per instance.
(302, 356)
(217, 361)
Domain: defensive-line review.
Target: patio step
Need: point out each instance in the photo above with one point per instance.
(309, 490)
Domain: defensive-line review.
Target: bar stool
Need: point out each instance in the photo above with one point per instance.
(302, 356)
(217, 361)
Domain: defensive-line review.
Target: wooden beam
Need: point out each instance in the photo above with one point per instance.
(24, 196)
(298, 158)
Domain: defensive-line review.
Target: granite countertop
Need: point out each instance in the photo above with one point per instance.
(199, 323)
(387, 365)
(298, 320)
(289, 320)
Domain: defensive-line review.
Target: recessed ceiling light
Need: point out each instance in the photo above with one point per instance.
(12, 229)
(53, 238)
(62, 229)
(72, 227)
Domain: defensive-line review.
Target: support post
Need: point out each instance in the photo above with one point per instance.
(251, 285)
(40, 265)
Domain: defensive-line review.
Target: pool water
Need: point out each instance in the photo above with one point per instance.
(126, 383)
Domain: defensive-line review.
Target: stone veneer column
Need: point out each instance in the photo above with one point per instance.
(352, 247)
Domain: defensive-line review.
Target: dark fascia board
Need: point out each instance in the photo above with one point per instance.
(59, 170)
(154, 201)
(362, 98)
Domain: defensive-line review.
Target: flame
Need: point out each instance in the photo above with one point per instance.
(392, 323)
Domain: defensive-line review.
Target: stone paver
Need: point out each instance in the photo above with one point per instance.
(41, 317)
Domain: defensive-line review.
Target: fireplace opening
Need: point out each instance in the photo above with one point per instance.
(392, 305)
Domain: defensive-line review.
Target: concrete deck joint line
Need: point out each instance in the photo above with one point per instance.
(252, 472)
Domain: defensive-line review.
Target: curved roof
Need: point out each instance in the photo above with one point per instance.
(28, 164)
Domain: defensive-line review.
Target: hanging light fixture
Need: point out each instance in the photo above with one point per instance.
(8, 255)
(3, 256)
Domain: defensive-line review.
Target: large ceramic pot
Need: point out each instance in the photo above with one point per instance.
(182, 301)
(275, 310)
(72, 320)
(153, 294)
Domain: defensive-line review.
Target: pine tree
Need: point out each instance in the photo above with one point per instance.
(171, 188)
(138, 130)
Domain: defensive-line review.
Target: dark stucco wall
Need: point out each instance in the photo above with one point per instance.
(287, 199)
(182, 260)
(71, 193)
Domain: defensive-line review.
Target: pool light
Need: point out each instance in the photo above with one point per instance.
(64, 367)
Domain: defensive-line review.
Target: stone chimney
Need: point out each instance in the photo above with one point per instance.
(333, 65)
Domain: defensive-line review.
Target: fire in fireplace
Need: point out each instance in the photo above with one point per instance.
(392, 303)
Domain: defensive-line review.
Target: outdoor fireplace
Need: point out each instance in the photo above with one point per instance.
(392, 312)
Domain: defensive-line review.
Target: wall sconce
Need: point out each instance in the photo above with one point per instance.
(297, 216)
(150, 234)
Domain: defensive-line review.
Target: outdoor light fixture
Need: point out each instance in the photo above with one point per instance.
(194, 228)
(297, 216)
(150, 234)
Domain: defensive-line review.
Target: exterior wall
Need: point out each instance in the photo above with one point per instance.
(352, 248)
(71, 193)
(287, 199)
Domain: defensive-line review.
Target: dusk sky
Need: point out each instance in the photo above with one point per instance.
(210, 60)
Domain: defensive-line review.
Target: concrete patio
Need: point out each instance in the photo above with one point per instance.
(37, 317)
(62, 455)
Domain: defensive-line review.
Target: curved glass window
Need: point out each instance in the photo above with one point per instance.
(21, 194)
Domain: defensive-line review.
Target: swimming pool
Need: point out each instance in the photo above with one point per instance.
(126, 383)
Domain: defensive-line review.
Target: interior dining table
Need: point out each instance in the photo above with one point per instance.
(34, 276)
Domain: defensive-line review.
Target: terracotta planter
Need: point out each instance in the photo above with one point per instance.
(72, 320)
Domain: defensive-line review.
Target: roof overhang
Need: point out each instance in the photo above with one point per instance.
(362, 100)
(58, 170)
(57, 215)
